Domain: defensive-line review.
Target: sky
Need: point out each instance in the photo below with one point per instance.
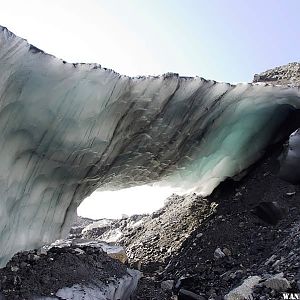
(224, 40)
(118, 204)
(216, 39)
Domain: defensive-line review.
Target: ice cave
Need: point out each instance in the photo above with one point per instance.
(68, 129)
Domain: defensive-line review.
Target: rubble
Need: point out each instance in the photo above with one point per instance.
(277, 283)
(66, 272)
(219, 253)
(283, 75)
(245, 290)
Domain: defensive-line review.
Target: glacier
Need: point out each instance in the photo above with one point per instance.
(69, 129)
(290, 159)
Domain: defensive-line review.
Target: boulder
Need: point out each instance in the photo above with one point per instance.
(219, 253)
(278, 283)
(244, 291)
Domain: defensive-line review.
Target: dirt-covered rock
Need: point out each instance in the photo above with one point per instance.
(66, 273)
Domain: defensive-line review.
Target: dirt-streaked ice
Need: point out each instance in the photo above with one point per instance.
(69, 129)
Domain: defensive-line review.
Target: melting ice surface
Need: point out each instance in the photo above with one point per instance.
(290, 160)
(69, 129)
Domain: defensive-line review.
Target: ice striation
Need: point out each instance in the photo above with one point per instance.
(69, 129)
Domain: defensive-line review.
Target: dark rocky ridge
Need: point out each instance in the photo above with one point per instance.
(284, 75)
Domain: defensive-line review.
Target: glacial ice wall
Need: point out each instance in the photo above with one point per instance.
(290, 160)
(68, 129)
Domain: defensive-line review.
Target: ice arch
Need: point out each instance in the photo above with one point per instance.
(68, 129)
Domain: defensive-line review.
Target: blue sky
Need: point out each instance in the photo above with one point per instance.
(216, 39)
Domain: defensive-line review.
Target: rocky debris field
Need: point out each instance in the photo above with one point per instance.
(284, 75)
(162, 234)
(150, 288)
(107, 230)
(203, 248)
(40, 274)
(234, 244)
(245, 234)
(146, 246)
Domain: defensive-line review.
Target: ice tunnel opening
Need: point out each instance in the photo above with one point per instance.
(291, 122)
(144, 199)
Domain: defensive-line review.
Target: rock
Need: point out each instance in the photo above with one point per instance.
(270, 212)
(291, 193)
(17, 280)
(227, 251)
(270, 260)
(277, 283)
(238, 274)
(256, 78)
(79, 251)
(245, 290)
(298, 279)
(184, 294)
(41, 251)
(113, 251)
(118, 253)
(24, 264)
(167, 285)
(137, 265)
(219, 253)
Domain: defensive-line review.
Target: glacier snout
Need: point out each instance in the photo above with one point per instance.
(69, 129)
